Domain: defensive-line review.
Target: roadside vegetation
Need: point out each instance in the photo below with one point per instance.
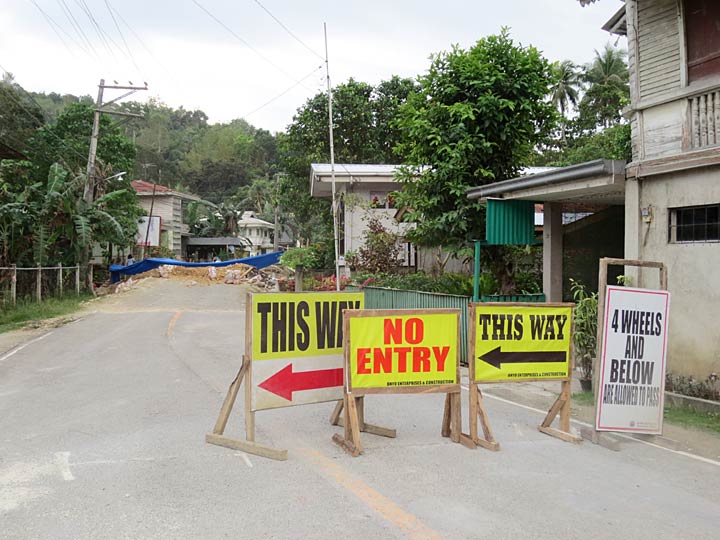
(678, 416)
(31, 313)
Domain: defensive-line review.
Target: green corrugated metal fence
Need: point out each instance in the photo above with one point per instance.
(381, 298)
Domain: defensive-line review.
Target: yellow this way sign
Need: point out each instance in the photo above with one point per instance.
(526, 342)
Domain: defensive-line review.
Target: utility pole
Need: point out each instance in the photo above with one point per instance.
(276, 236)
(89, 190)
(336, 237)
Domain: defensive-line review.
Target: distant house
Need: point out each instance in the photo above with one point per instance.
(171, 206)
(258, 231)
(366, 191)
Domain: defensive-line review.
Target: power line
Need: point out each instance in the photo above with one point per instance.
(117, 26)
(241, 40)
(35, 118)
(300, 41)
(51, 22)
(76, 25)
(281, 94)
(98, 30)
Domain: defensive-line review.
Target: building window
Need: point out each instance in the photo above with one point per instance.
(694, 224)
(702, 38)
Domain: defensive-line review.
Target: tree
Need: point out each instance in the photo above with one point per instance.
(19, 116)
(567, 83)
(364, 132)
(476, 119)
(607, 92)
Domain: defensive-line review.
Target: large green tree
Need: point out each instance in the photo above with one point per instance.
(364, 132)
(476, 119)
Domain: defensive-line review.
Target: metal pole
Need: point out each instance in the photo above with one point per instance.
(476, 279)
(147, 229)
(276, 236)
(332, 166)
(60, 280)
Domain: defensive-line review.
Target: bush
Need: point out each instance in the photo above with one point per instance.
(689, 386)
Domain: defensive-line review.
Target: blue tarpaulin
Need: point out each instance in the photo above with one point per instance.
(259, 261)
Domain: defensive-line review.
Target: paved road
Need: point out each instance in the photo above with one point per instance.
(102, 437)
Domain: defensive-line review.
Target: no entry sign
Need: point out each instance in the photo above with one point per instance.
(395, 352)
(632, 366)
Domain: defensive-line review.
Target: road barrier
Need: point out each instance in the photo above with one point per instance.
(519, 342)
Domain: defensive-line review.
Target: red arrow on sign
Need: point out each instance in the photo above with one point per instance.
(285, 382)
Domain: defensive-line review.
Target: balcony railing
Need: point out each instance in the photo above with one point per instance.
(705, 119)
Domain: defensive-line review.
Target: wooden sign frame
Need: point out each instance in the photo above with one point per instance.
(560, 407)
(354, 398)
(244, 375)
(602, 290)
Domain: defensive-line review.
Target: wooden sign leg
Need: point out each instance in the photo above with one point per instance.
(335, 416)
(562, 406)
(365, 427)
(230, 398)
(351, 441)
(249, 414)
(476, 401)
(445, 429)
(249, 446)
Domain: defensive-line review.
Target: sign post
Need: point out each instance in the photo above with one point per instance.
(293, 356)
(632, 365)
(400, 352)
(520, 342)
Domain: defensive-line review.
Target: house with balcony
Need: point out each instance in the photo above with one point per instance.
(665, 204)
(170, 206)
(257, 232)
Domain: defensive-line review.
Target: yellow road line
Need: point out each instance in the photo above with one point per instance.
(171, 324)
(403, 520)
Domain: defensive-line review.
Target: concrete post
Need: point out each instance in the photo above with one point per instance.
(298, 278)
(633, 230)
(552, 252)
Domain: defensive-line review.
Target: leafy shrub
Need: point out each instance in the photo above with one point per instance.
(689, 386)
(302, 256)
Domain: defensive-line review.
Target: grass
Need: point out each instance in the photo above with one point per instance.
(685, 417)
(29, 311)
(679, 416)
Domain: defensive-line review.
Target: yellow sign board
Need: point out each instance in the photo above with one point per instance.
(528, 342)
(297, 347)
(296, 325)
(403, 350)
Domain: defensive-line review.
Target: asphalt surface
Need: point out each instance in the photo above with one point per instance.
(102, 431)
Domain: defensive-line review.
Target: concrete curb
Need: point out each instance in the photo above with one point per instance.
(696, 404)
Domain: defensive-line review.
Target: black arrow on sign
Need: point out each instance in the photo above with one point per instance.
(497, 358)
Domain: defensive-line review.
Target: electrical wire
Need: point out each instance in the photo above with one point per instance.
(51, 22)
(281, 94)
(104, 38)
(35, 118)
(300, 41)
(76, 26)
(122, 37)
(244, 42)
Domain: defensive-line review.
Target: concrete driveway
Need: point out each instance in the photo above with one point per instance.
(102, 431)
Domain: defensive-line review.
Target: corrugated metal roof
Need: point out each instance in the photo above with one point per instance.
(142, 187)
(345, 169)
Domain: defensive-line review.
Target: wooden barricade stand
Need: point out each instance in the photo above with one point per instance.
(512, 333)
(352, 405)
(291, 358)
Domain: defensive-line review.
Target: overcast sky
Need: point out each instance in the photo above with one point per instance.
(190, 59)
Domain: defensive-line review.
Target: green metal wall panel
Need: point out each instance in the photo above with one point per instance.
(510, 222)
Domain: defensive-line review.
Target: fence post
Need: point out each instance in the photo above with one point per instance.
(38, 284)
(60, 280)
(77, 279)
(90, 285)
(298, 277)
(13, 285)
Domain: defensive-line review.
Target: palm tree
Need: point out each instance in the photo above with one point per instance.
(567, 85)
(608, 91)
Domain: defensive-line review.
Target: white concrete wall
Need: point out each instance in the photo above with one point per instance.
(694, 339)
